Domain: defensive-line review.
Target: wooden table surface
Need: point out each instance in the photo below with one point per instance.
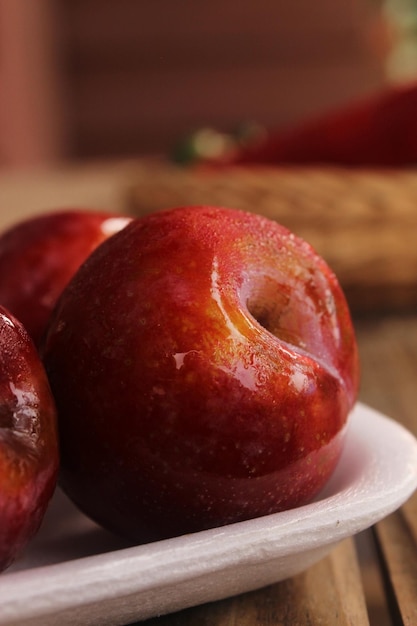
(368, 579)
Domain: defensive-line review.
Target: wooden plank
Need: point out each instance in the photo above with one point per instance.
(183, 20)
(218, 94)
(388, 352)
(189, 33)
(372, 579)
(330, 592)
(212, 41)
(399, 550)
(93, 186)
(388, 349)
(234, 50)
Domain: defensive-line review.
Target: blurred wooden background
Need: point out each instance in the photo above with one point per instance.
(104, 78)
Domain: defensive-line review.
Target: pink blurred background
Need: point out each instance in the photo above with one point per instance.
(103, 79)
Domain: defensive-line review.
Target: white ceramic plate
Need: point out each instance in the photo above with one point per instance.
(76, 573)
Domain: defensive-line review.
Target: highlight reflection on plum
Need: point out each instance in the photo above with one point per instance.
(28, 439)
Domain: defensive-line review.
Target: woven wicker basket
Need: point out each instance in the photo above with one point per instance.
(364, 223)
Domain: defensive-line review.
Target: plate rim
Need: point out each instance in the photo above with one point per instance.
(73, 584)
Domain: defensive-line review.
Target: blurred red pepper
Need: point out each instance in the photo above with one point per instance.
(378, 131)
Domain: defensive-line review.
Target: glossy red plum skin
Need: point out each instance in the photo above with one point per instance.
(204, 364)
(39, 256)
(29, 455)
